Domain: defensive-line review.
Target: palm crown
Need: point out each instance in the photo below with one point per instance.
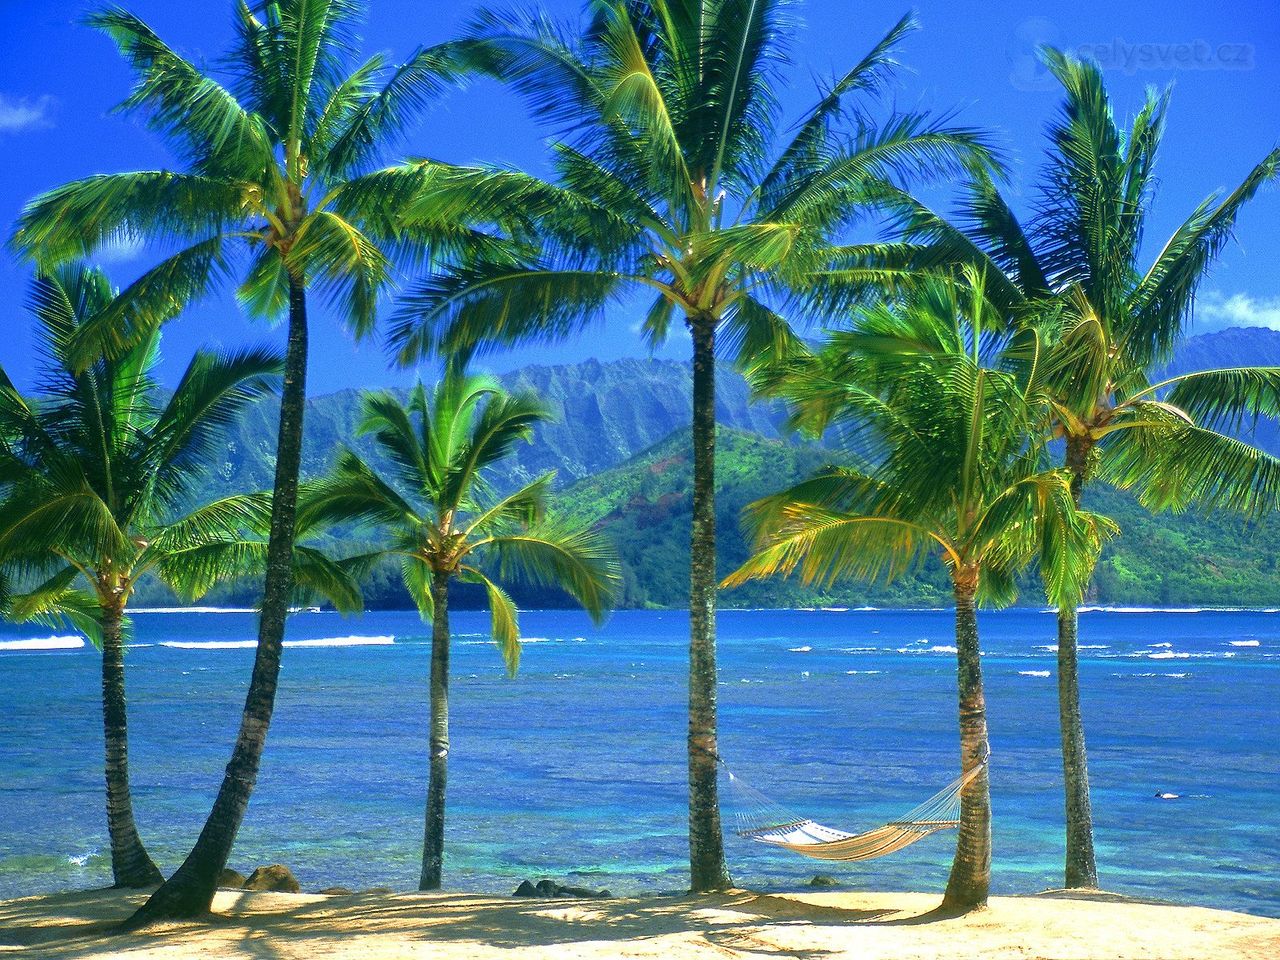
(442, 515)
(671, 178)
(279, 147)
(957, 464)
(1075, 272)
(100, 471)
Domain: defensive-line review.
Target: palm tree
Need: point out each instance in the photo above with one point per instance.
(445, 523)
(1112, 324)
(959, 473)
(98, 474)
(673, 181)
(279, 179)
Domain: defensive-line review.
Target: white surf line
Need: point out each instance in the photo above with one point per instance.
(43, 643)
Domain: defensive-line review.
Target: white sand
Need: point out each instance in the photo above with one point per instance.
(812, 926)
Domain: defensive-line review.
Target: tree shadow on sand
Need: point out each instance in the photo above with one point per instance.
(260, 925)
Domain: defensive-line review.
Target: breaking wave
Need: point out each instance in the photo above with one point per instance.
(43, 643)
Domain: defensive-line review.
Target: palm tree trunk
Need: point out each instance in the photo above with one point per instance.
(970, 879)
(130, 864)
(189, 892)
(707, 866)
(1081, 865)
(433, 836)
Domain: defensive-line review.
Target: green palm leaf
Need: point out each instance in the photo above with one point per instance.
(436, 507)
(504, 620)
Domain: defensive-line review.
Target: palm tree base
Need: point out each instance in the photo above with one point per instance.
(173, 901)
(957, 906)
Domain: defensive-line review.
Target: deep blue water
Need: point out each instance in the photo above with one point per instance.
(575, 768)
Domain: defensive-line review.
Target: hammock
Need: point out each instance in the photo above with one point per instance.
(764, 821)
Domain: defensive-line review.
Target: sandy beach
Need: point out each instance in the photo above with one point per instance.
(738, 924)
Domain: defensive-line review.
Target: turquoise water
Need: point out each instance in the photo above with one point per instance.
(575, 770)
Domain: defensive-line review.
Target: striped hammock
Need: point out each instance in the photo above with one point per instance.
(762, 820)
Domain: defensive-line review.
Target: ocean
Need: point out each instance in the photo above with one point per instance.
(575, 769)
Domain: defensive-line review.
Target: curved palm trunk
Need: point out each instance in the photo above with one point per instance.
(189, 892)
(433, 835)
(130, 864)
(970, 879)
(1081, 865)
(707, 867)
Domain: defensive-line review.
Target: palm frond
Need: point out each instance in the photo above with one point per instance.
(1224, 398)
(572, 558)
(154, 298)
(74, 220)
(812, 137)
(912, 148)
(335, 255)
(503, 619)
(57, 602)
(523, 507)
(416, 575)
(758, 337)
(214, 390)
(1091, 231)
(374, 120)
(315, 575)
(479, 306)
(237, 517)
(506, 420)
(824, 545)
(217, 135)
(1160, 304)
(353, 493)
(1173, 464)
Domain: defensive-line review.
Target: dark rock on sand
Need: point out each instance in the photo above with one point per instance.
(230, 879)
(335, 892)
(549, 888)
(822, 880)
(276, 878)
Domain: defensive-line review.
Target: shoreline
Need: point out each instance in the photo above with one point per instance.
(739, 923)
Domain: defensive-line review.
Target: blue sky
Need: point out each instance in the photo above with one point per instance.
(59, 81)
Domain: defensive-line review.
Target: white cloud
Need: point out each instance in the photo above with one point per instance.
(1215, 311)
(24, 113)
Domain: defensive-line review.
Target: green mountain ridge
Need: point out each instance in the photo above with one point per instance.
(620, 449)
(1193, 559)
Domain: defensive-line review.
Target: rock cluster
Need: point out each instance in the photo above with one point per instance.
(549, 888)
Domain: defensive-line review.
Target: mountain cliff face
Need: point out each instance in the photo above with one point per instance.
(1234, 347)
(606, 413)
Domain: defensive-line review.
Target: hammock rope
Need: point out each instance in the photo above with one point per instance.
(763, 820)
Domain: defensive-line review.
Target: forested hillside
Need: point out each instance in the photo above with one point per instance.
(619, 446)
